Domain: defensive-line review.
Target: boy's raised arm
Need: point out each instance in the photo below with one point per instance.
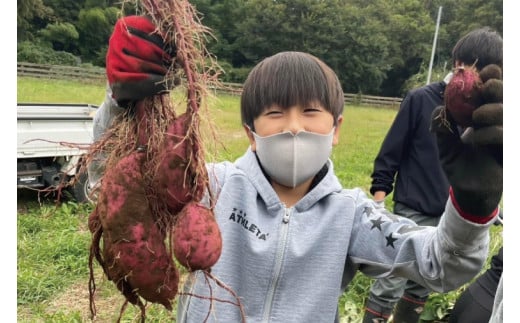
(473, 164)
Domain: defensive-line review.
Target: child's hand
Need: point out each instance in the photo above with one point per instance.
(136, 62)
(473, 164)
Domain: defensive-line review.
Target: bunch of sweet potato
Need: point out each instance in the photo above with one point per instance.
(149, 211)
(149, 214)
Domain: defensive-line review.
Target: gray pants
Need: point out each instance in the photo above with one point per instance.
(385, 292)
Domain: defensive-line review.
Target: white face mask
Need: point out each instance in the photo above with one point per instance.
(292, 159)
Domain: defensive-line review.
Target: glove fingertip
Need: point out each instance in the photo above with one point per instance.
(488, 114)
(492, 91)
(490, 71)
(491, 135)
(138, 88)
(152, 37)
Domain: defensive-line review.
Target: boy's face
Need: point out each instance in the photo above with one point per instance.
(313, 118)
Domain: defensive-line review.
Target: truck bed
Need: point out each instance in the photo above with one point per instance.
(44, 130)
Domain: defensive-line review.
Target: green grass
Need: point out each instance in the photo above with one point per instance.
(53, 241)
(34, 90)
(53, 250)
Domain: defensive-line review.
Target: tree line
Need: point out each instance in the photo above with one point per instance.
(377, 47)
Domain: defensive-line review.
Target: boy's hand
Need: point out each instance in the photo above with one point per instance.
(473, 163)
(136, 62)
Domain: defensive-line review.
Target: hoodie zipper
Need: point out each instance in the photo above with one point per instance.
(278, 264)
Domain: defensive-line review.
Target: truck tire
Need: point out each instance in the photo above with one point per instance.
(81, 189)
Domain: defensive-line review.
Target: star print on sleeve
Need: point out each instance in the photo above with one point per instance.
(377, 223)
(368, 210)
(390, 240)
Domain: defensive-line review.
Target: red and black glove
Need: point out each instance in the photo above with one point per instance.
(473, 163)
(136, 61)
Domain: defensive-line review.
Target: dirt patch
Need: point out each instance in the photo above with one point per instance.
(74, 303)
(75, 299)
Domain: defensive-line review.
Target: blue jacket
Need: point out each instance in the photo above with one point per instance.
(409, 158)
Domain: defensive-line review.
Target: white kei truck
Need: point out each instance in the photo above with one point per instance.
(51, 140)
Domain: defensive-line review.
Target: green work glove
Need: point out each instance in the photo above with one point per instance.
(473, 162)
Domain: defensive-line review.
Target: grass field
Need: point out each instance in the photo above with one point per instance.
(52, 240)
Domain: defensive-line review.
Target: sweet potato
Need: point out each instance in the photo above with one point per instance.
(146, 195)
(134, 255)
(147, 265)
(104, 252)
(462, 95)
(197, 239)
(173, 177)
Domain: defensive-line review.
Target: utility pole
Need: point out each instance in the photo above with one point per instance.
(434, 45)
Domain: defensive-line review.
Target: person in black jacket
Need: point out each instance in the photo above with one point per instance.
(409, 154)
(408, 164)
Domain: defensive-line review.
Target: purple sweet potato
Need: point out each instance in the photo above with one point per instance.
(135, 256)
(197, 239)
(147, 207)
(173, 177)
(462, 95)
(147, 265)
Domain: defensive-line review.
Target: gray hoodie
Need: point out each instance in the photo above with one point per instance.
(293, 264)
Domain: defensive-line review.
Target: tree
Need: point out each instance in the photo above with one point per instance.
(29, 11)
(221, 18)
(471, 14)
(373, 45)
(338, 33)
(62, 36)
(411, 30)
(95, 26)
(65, 10)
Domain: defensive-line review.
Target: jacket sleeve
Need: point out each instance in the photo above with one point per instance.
(388, 159)
(440, 258)
(105, 115)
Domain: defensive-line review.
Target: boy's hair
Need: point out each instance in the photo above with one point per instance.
(287, 79)
(482, 46)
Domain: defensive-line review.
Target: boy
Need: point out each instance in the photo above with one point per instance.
(293, 237)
